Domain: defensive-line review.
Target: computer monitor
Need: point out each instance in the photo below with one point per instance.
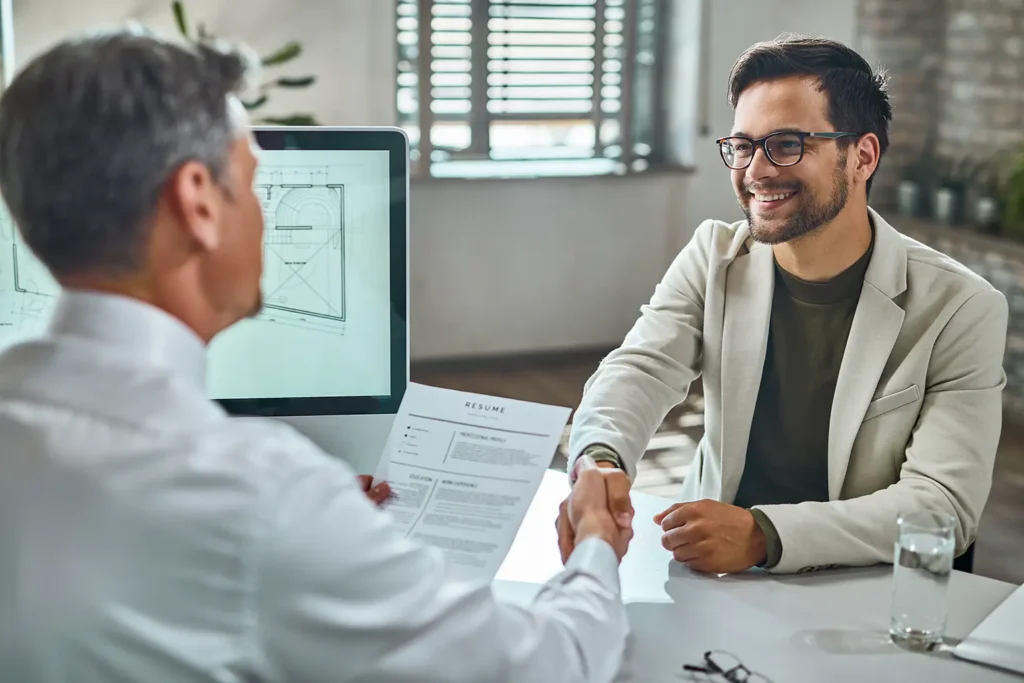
(329, 351)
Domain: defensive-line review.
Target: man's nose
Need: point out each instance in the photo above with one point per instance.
(761, 167)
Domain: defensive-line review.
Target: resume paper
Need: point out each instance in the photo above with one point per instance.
(464, 469)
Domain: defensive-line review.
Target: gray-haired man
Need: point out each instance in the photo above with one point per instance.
(144, 536)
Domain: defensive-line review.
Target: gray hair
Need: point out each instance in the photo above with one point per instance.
(91, 130)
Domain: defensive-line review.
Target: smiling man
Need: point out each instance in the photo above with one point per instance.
(849, 372)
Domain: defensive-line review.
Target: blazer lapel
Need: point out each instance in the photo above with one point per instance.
(874, 330)
(750, 282)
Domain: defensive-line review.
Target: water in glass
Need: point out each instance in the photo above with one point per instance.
(921, 568)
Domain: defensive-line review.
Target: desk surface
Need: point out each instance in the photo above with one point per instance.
(824, 626)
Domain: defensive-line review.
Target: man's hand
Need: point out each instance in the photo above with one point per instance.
(378, 494)
(617, 507)
(712, 537)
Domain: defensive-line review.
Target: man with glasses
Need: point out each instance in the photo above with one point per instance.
(849, 372)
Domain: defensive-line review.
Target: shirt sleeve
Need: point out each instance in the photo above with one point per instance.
(599, 453)
(340, 594)
(772, 542)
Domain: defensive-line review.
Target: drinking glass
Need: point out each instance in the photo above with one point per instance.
(922, 564)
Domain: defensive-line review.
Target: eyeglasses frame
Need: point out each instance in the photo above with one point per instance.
(730, 675)
(760, 142)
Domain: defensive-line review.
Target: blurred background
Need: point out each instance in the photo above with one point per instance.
(548, 202)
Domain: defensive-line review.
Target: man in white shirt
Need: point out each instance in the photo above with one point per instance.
(145, 536)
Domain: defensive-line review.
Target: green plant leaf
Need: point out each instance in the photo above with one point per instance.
(285, 54)
(179, 17)
(293, 120)
(302, 82)
(255, 104)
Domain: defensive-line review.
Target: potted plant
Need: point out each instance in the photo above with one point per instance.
(1013, 197)
(278, 57)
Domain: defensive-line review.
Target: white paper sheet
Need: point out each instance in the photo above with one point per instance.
(464, 468)
(999, 639)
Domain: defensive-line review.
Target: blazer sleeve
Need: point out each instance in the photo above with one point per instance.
(949, 458)
(635, 386)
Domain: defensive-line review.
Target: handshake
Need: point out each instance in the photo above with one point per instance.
(706, 535)
(598, 506)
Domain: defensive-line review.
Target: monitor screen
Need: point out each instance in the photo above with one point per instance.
(332, 336)
(28, 293)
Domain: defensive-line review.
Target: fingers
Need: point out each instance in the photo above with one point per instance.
(661, 515)
(688, 534)
(678, 515)
(589, 493)
(689, 554)
(625, 536)
(379, 493)
(619, 503)
(566, 536)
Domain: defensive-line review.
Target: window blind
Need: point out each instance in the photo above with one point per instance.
(518, 80)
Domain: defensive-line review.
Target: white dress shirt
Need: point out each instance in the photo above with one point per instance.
(146, 536)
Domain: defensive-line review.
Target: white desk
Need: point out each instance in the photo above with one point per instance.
(824, 626)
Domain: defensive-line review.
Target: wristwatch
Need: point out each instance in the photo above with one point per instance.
(597, 453)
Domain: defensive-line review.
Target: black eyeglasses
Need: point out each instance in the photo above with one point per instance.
(784, 148)
(728, 666)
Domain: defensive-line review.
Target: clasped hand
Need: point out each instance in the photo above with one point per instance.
(712, 537)
(598, 506)
(706, 535)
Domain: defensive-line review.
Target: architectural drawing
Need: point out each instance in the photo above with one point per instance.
(304, 243)
(28, 293)
(30, 276)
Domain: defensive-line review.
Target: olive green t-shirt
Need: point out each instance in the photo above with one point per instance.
(787, 455)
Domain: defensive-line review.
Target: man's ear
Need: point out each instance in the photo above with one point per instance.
(866, 155)
(193, 195)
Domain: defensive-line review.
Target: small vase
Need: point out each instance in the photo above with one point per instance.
(986, 212)
(908, 198)
(946, 206)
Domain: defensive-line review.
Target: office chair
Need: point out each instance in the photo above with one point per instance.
(965, 563)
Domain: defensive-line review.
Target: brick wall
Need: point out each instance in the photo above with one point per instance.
(957, 72)
(900, 35)
(1000, 263)
(982, 89)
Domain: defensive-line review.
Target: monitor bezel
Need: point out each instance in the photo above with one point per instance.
(396, 143)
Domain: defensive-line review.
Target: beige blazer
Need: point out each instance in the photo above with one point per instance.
(917, 410)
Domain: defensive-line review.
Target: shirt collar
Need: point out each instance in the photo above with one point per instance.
(141, 332)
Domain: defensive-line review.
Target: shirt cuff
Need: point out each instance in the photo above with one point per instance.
(596, 558)
(772, 542)
(599, 453)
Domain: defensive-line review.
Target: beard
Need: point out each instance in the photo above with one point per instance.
(811, 212)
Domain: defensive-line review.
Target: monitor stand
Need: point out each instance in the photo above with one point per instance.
(357, 439)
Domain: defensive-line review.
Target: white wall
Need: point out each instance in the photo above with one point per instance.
(500, 266)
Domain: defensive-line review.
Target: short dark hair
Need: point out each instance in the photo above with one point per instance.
(858, 98)
(91, 130)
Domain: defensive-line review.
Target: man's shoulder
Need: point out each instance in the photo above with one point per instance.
(713, 244)
(936, 273)
(268, 444)
(722, 237)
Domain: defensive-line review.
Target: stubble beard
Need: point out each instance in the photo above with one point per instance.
(809, 216)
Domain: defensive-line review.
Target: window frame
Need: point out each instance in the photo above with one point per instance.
(479, 119)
